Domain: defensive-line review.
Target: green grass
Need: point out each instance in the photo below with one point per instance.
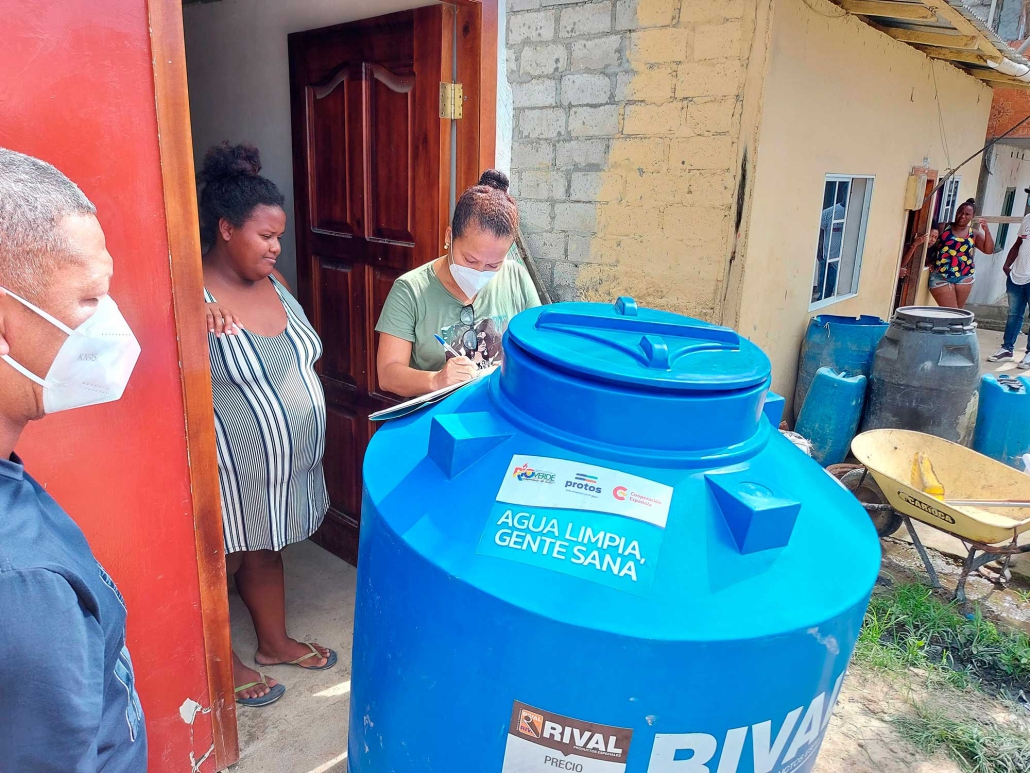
(908, 626)
(1024, 594)
(978, 746)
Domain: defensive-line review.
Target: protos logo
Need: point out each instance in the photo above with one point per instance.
(585, 483)
(528, 474)
(620, 493)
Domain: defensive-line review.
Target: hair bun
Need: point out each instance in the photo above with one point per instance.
(225, 161)
(494, 179)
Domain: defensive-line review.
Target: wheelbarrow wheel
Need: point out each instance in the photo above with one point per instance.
(862, 485)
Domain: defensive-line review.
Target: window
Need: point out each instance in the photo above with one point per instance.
(947, 203)
(1006, 211)
(838, 255)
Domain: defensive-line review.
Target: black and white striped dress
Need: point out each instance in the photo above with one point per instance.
(270, 429)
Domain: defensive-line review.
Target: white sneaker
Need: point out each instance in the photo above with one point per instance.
(1024, 364)
(1001, 354)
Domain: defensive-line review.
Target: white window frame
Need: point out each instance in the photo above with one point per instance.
(950, 189)
(860, 243)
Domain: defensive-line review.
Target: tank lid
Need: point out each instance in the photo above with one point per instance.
(934, 318)
(638, 347)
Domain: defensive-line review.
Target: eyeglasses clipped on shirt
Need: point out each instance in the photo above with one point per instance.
(469, 338)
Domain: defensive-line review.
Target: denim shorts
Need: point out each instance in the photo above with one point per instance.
(938, 279)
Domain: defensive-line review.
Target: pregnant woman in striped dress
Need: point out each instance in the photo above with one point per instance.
(269, 406)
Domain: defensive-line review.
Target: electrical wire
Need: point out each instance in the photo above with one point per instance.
(951, 172)
(940, 115)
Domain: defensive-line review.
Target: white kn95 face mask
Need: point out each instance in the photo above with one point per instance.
(93, 364)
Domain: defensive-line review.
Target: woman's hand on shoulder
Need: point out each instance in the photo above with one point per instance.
(221, 320)
(456, 370)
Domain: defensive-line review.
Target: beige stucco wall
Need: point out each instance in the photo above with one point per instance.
(840, 98)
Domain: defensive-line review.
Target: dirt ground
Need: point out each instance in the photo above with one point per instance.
(860, 737)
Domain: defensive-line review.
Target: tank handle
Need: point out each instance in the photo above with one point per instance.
(659, 344)
(1010, 383)
(757, 518)
(561, 321)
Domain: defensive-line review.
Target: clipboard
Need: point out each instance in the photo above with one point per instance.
(416, 403)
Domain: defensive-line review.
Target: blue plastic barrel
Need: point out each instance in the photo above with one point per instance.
(830, 415)
(840, 343)
(603, 557)
(1002, 429)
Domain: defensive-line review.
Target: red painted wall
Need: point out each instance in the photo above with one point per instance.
(77, 89)
(1010, 106)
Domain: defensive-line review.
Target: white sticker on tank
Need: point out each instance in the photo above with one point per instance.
(540, 741)
(540, 481)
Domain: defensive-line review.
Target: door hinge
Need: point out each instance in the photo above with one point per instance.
(451, 97)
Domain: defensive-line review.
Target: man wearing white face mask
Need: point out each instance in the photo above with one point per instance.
(68, 701)
(465, 298)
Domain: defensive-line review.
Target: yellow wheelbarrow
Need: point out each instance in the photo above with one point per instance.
(905, 475)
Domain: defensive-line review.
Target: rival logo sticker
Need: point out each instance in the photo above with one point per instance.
(540, 740)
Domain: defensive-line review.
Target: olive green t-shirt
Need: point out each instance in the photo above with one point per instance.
(419, 307)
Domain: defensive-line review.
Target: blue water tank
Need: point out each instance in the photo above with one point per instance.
(840, 343)
(830, 415)
(1002, 429)
(603, 558)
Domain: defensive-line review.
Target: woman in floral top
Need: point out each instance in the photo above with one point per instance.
(951, 279)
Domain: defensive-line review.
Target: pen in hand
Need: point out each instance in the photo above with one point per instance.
(447, 346)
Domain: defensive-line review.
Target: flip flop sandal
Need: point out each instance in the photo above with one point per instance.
(329, 662)
(273, 694)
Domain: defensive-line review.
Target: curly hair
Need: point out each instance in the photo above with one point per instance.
(232, 188)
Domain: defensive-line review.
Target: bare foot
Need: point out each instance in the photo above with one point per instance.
(290, 649)
(241, 674)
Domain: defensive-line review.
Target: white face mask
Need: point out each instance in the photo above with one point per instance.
(469, 280)
(94, 363)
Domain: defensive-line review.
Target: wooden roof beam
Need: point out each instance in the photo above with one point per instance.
(938, 39)
(995, 78)
(955, 55)
(889, 10)
(962, 24)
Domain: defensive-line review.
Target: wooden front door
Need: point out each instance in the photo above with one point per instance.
(372, 185)
(919, 222)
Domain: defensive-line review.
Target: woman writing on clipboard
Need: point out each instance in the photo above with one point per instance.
(465, 298)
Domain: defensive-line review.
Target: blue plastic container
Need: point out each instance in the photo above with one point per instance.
(830, 415)
(1002, 429)
(839, 343)
(602, 558)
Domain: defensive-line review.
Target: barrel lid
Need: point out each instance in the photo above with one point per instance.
(639, 347)
(934, 318)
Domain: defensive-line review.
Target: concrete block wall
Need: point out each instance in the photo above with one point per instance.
(624, 147)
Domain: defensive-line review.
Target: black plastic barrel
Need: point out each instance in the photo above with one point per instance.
(926, 371)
